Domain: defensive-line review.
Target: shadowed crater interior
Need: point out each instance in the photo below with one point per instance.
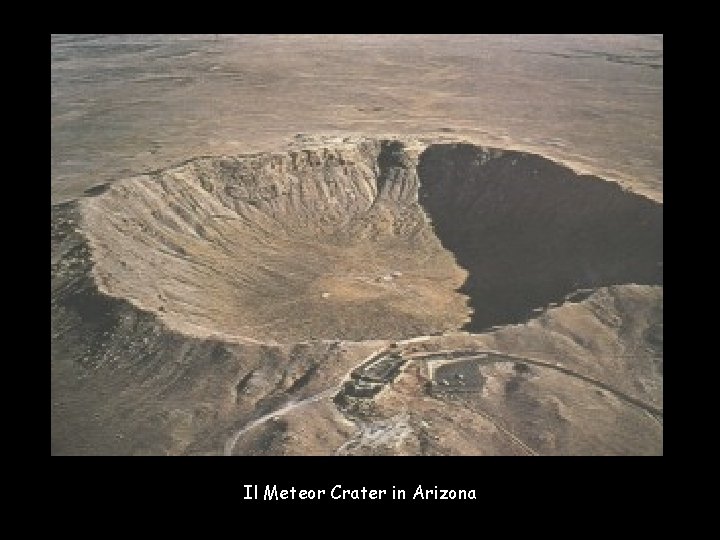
(530, 231)
(365, 239)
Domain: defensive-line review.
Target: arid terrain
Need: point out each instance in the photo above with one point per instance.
(336, 245)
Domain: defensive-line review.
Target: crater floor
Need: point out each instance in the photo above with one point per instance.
(367, 239)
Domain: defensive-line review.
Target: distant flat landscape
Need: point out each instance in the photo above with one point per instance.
(126, 104)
